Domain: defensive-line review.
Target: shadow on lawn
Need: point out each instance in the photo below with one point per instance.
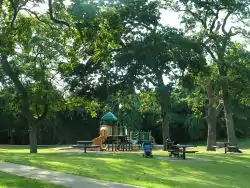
(229, 158)
(8, 180)
(223, 171)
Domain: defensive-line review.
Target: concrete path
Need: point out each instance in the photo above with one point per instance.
(57, 178)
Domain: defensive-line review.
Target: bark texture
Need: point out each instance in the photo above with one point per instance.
(228, 116)
(211, 119)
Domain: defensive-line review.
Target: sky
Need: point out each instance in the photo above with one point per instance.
(170, 18)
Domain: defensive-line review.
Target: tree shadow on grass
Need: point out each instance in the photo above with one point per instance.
(153, 173)
(230, 158)
(8, 180)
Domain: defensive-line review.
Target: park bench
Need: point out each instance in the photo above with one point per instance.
(228, 147)
(85, 145)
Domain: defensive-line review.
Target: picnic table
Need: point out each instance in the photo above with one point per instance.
(227, 146)
(222, 145)
(86, 144)
(182, 149)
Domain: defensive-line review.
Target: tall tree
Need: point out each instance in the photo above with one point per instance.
(110, 26)
(215, 23)
(204, 87)
(164, 52)
(29, 49)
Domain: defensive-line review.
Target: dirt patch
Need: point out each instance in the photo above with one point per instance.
(181, 160)
(229, 153)
(82, 153)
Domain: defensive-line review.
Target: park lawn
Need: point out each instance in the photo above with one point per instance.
(221, 171)
(11, 181)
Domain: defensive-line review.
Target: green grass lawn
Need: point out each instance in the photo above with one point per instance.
(11, 181)
(222, 170)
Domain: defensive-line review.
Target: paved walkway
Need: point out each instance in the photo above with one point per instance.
(57, 178)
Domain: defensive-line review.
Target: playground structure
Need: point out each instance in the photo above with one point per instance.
(113, 135)
(140, 136)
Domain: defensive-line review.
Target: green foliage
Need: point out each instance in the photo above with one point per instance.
(187, 113)
(195, 125)
(131, 108)
(149, 103)
(237, 60)
(91, 107)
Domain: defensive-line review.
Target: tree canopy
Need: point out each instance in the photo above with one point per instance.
(76, 61)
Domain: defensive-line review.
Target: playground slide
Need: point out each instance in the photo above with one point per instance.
(99, 142)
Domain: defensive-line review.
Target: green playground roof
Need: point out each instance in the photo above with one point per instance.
(109, 117)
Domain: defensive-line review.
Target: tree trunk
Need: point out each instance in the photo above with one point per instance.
(163, 98)
(33, 138)
(165, 124)
(225, 96)
(211, 135)
(163, 93)
(12, 136)
(211, 119)
(228, 115)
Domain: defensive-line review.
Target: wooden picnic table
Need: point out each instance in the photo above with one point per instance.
(86, 144)
(184, 151)
(222, 145)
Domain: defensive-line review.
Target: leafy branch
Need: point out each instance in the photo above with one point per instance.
(38, 17)
(53, 18)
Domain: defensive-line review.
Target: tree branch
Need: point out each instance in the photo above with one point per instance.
(214, 20)
(37, 111)
(151, 81)
(53, 18)
(225, 22)
(79, 27)
(146, 26)
(209, 51)
(15, 12)
(18, 85)
(239, 31)
(16, 9)
(195, 15)
(136, 24)
(45, 111)
(13, 76)
(219, 108)
(37, 17)
(210, 93)
(22, 5)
